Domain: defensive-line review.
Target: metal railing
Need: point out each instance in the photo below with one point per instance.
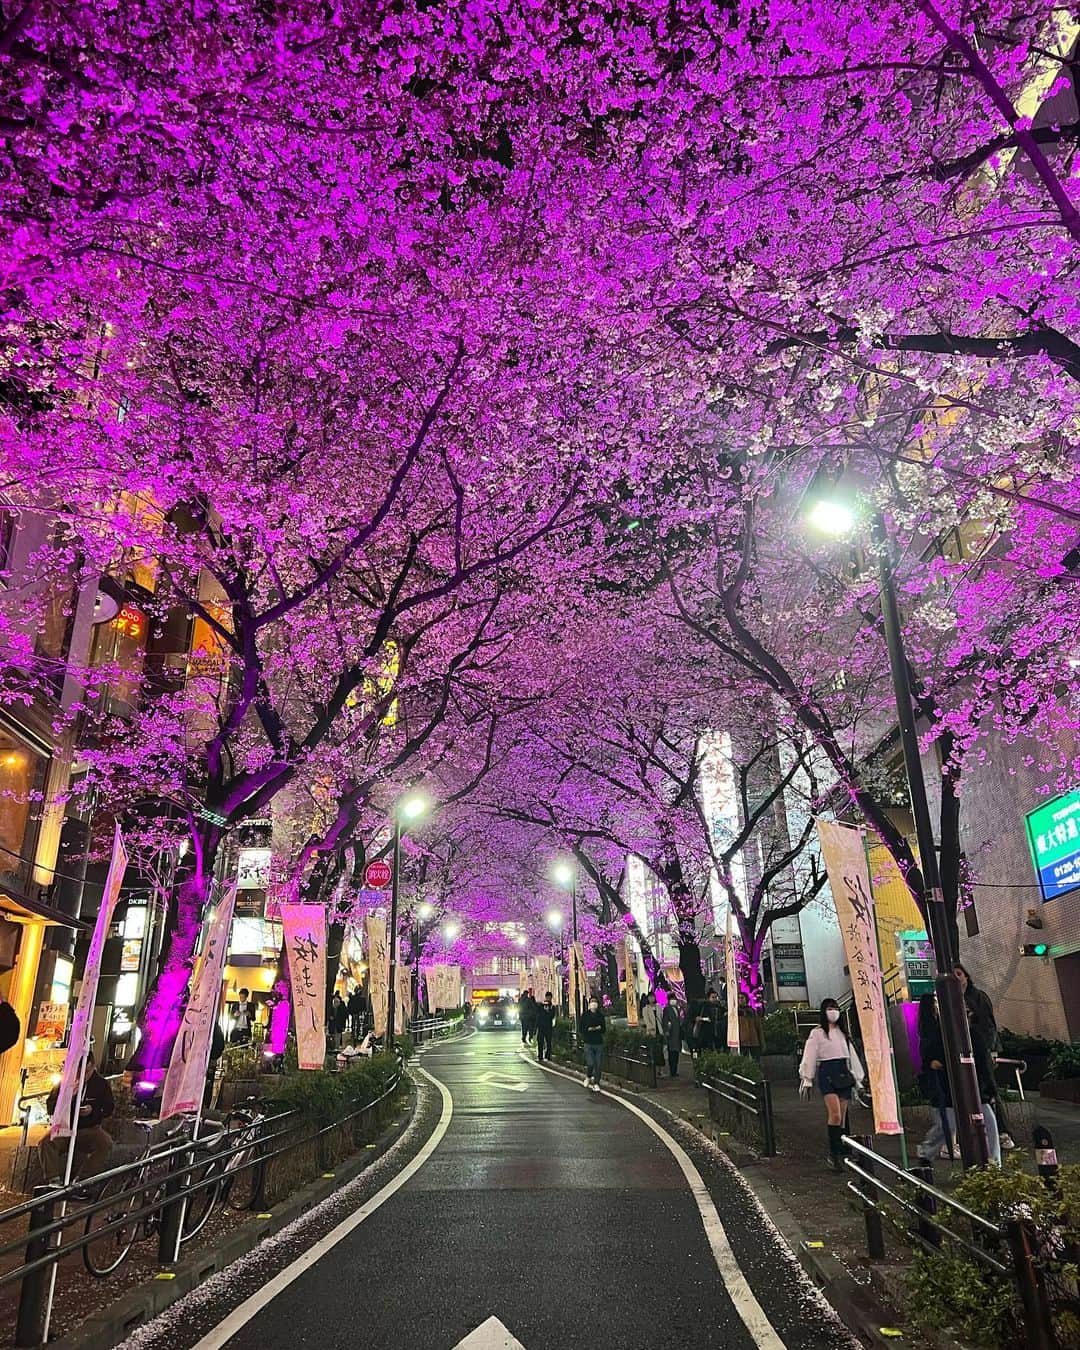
(925, 1217)
(424, 1029)
(639, 1068)
(745, 1106)
(150, 1196)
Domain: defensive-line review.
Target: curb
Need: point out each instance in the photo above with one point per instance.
(855, 1305)
(145, 1301)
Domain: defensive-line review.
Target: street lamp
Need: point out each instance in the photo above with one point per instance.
(406, 812)
(451, 930)
(836, 517)
(566, 876)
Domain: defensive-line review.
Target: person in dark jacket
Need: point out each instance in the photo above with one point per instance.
(981, 1013)
(591, 1027)
(671, 1029)
(92, 1144)
(934, 1083)
(707, 1031)
(357, 1007)
(339, 1017)
(217, 1049)
(545, 1026)
(527, 1016)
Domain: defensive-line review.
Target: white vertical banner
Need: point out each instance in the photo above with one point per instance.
(453, 987)
(633, 1014)
(70, 1097)
(304, 928)
(185, 1078)
(402, 998)
(545, 978)
(731, 975)
(849, 880)
(431, 980)
(378, 971)
(578, 990)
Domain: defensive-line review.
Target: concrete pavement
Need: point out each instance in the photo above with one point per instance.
(521, 1209)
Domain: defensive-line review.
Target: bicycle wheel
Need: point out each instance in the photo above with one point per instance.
(242, 1182)
(201, 1203)
(103, 1251)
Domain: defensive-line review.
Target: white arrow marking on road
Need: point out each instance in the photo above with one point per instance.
(498, 1080)
(491, 1335)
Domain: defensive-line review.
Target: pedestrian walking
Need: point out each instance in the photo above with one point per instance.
(981, 1015)
(671, 1024)
(650, 1022)
(934, 1083)
(545, 1026)
(357, 1007)
(243, 1016)
(92, 1144)
(591, 1027)
(707, 1033)
(832, 1062)
(527, 1016)
(339, 1017)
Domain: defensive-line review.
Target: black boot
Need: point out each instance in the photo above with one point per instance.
(836, 1148)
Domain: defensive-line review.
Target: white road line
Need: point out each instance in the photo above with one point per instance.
(244, 1312)
(742, 1296)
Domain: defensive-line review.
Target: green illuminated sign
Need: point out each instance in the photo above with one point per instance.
(1053, 831)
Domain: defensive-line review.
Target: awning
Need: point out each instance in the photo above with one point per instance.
(15, 905)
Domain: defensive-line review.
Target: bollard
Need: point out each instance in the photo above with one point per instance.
(171, 1219)
(1045, 1156)
(928, 1232)
(875, 1231)
(34, 1290)
(1038, 1327)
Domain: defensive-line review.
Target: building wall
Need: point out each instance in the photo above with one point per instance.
(1029, 995)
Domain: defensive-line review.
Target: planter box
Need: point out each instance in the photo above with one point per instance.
(1060, 1089)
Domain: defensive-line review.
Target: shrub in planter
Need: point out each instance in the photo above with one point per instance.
(778, 1030)
(1064, 1061)
(952, 1292)
(719, 1061)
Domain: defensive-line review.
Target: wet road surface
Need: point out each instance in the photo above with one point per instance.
(526, 1211)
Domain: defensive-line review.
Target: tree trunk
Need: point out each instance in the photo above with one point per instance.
(690, 965)
(161, 1012)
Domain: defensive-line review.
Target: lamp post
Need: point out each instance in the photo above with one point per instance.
(423, 911)
(566, 877)
(837, 518)
(405, 812)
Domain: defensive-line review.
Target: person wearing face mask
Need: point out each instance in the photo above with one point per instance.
(591, 1028)
(831, 1061)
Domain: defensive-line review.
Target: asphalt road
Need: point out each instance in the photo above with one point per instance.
(533, 1213)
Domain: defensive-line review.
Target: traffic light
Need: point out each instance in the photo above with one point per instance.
(1035, 949)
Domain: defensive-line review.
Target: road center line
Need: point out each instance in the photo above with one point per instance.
(742, 1296)
(244, 1312)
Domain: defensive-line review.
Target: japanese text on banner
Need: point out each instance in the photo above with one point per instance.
(305, 942)
(849, 880)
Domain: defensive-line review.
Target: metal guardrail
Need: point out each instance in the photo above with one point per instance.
(151, 1195)
(434, 1028)
(746, 1104)
(927, 1217)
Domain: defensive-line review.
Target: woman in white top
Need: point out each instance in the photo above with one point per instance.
(831, 1061)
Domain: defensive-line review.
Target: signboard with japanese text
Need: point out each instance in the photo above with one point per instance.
(578, 990)
(849, 880)
(51, 1024)
(74, 1062)
(378, 971)
(1053, 831)
(915, 957)
(304, 928)
(731, 977)
(185, 1078)
(633, 1012)
(402, 998)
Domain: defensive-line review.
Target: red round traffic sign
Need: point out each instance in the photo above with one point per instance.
(377, 874)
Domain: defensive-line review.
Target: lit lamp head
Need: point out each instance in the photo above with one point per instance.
(451, 930)
(521, 940)
(831, 516)
(563, 874)
(411, 808)
(554, 919)
(425, 911)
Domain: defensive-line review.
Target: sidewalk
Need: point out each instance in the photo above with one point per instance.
(817, 1200)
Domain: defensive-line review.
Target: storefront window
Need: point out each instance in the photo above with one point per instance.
(22, 778)
(121, 644)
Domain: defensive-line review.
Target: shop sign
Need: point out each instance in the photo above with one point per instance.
(1053, 831)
